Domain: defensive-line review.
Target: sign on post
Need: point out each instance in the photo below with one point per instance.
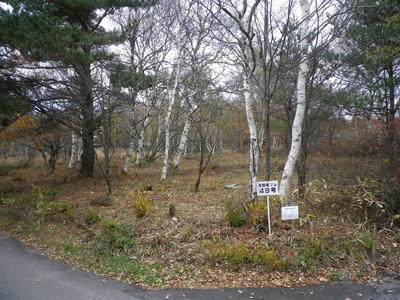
(267, 188)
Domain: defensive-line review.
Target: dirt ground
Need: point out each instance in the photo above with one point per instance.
(197, 248)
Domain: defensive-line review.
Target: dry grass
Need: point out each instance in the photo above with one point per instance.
(174, 248)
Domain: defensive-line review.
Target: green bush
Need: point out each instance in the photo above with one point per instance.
(113, 237)
(91, 217)
(240, 254)
(235, 213)
(367, 241)
(141, 204)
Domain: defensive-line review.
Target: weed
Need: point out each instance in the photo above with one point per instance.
(52, 193)
(267, 258)
(360, 275)
(312, 251)
(240, 254)
(257, 212)
(122, 264)
(367, 242)
(113, 236)
(54, 212)
(397, 237)
(141, 204)
(72, 250)
(235, 213)
(91, 217)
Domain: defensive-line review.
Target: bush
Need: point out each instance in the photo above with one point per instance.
(267, 258)
(240, 254)
(91, 217)
(141, 204)
(113, 237)
(235, 213)
(257, 212)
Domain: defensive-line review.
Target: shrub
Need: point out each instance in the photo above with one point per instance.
(240, 254)
(367, 242)
(91, 217)
(141, 204)
(266, 258)
(55, 212)
(113, 236)
(235, 213)
(52, 193)
(257, 212)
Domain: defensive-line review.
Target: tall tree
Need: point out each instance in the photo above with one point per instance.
(301, 104)
(66, 36)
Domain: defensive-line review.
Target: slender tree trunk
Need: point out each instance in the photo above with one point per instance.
(126, 160)
(267, 141)
(172, 98)
(300, 108)
(74, 150)
(391, 117)
(88, 151)
(139, 152)
(254, 150)
(303, 157)
(184, 137)
(88, 121)
(266, 100)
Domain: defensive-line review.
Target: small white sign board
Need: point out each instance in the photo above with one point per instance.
(267, 188)
(290, 212)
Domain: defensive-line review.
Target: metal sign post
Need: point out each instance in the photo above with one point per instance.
(267, 188)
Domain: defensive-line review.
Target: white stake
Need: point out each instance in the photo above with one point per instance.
(269, 219)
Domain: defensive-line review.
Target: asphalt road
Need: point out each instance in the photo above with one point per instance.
(26, 274)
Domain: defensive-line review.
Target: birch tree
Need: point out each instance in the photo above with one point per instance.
(198, 30)
(144, 53)
(172, 97)
(76, 150)
(301, 104)
(178, 38)
(243, 16)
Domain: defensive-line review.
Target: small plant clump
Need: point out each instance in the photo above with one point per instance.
(235, 213)
(257, 212)
(141, 204)
(113, 237)
(240, 254)
(91, 217)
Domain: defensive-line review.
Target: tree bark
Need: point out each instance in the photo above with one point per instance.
(74, 150)
(88, 122)
(139, 152)
(184, 137)
(172, 98)
(126, 160)
(300, 108)
(254, 149)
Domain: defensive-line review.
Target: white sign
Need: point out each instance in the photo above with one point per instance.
(290, 212)
(267, 188)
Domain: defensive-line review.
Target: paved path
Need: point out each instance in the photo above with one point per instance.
(26, 274)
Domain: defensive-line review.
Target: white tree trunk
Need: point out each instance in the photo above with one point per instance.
(254, 150)
(173, 94)
(139, 152)
(184, 137)
(74, 150)
(126, 160)
(301, 105)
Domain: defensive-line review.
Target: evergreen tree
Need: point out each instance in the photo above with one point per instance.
(65, 36)
(372, 53)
